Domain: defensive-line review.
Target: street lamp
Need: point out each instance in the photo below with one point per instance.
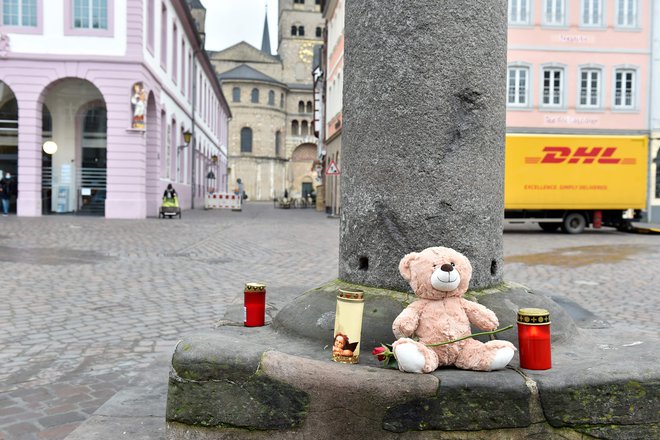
(187, 135)
(50, 147)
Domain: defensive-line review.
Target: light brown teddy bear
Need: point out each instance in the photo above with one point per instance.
(440, 277)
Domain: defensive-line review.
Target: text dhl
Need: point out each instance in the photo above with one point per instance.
(601, 155)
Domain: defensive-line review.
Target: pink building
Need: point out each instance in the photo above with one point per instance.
(95, 98)
(579, 66)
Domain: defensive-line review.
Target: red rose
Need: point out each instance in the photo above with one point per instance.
(379, 352)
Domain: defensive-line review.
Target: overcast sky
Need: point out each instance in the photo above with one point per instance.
(231, 21)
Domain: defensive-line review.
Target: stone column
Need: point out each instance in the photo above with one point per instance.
(423, 136)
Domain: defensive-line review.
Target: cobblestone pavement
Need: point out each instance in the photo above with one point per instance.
(89, 303)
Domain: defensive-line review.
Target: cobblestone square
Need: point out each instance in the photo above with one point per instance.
(90, 303)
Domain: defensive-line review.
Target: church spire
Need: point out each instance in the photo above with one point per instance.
(265, 40)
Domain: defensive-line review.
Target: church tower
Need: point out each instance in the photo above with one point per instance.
(300, 29)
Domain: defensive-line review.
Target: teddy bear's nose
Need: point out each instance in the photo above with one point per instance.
(446, 267)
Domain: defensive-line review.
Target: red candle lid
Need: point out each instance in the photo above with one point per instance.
(532, 316)
(255, 287)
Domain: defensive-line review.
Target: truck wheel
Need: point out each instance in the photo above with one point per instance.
(574, 223)
(549, 227)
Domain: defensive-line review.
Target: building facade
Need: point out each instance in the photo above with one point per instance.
(654, 187)
(333, 13)
(95, 98)
(579, 68)
(575, 67)
(272, 146)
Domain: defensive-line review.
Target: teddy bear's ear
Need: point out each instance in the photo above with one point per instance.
(404, 265)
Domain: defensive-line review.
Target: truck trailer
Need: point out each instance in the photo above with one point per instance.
(573, 181)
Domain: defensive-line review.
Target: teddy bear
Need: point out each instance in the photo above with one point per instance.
(439, 277)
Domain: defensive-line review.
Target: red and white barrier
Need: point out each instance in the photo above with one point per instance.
(222, 201)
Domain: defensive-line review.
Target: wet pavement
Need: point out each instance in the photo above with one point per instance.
(89, 304)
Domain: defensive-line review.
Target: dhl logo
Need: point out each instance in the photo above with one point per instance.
(601, 155)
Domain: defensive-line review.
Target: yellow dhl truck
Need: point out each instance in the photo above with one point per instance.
(571, 182)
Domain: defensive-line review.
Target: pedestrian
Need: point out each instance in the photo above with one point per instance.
(170, 198)
(170, 192)
(239, 191)
(6, 186)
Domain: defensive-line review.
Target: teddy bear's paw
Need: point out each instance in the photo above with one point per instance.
(502, 358)
(408, 357)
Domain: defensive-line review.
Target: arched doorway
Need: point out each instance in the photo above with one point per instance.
(9, 139)
(74, 178)
(302, 161)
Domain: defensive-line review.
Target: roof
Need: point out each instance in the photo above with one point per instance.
(247, 73)
(195, 4)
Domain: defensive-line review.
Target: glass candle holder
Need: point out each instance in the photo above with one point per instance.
(348, 326)
(534, 339)
(254, 304)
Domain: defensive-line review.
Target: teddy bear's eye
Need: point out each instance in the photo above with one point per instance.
(452, 263)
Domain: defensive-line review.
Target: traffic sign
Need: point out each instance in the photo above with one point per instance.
(332, 169)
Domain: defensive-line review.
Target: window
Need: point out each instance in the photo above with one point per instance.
(294, 30)
(304, 128)
(301, 31)
(624, 89)
(294, 128)
(591, 13)
(19, 13)
(301, 106)
(310, 107)
(300, 2)
(151, 26)
(590, 88)
(175, 44)
(517, 86)
(281, 100)
(90, 14)
(278, 143)
(519, 12)
(626, 13)
(319, 31)
(255, 95)
(236, 94)
(553, 12)
(163, 37)
(271, 98)
(246, 140)
(553, 87)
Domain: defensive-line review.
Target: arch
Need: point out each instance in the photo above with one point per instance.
(304, 128)
(310, 107)
(295, 131)
(9, 138)
(78, 113)
(255, 95)
(301, 106)
(152, 172)
(304, 152)
(246, 140)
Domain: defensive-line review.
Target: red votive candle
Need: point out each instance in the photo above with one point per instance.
(534, 339)
(254, 304)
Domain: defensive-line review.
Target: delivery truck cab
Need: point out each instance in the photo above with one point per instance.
(572, 182)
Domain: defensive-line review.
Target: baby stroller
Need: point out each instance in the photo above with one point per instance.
(170, 208)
